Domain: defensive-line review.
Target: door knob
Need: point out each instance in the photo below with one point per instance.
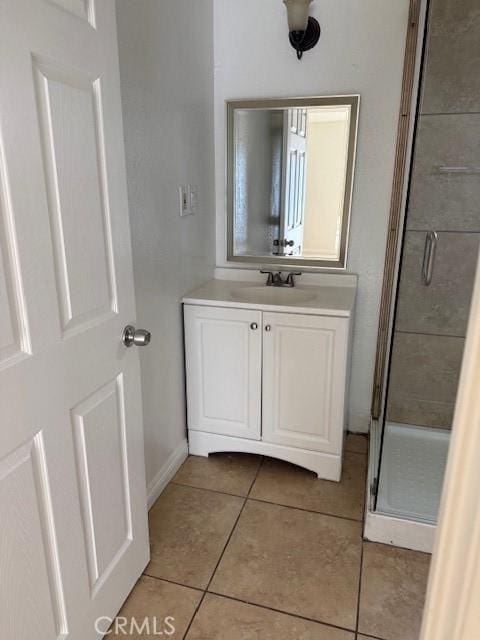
(254, 326)
(137, 337)
(268, 327)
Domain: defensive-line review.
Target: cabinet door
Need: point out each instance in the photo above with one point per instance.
(304, 380)
(223, 361)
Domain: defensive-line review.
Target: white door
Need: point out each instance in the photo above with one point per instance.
(73, 527)
(224, 360)
(304, 379)
(294, 181)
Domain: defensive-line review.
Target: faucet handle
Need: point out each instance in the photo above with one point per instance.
(290, 278)
(270, 277)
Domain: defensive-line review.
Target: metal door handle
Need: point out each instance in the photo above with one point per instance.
(429, 257)
(254, 326)
(268, 327)
(137, 337)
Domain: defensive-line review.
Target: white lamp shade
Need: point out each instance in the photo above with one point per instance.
(297, 12)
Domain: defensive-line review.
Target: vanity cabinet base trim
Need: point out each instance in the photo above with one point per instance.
(327, 466)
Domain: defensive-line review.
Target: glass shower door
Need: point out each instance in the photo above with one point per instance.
(439, 256)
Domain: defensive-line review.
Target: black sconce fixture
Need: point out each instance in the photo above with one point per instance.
(304, 30)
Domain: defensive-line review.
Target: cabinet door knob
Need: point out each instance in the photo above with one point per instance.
(268, 327)
(254, 326)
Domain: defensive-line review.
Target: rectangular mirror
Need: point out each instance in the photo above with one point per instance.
(290, 176)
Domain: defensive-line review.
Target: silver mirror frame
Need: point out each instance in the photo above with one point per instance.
(353, 101)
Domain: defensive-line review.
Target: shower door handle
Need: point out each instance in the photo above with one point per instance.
(429, 257)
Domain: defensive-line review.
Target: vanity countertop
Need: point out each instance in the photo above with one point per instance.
(326, 300)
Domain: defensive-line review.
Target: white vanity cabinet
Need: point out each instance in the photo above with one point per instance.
(267, 381)
(224, 370)
(304, 378)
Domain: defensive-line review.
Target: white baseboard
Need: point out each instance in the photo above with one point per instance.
(166, 473)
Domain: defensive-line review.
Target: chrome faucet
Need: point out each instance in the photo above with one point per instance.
(275, 279)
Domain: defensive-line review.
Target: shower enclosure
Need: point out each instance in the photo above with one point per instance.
(439, 252)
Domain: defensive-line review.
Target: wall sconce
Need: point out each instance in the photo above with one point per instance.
(304, 30)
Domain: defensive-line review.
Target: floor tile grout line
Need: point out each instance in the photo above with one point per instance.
(226, 544)
(185, 586)
(286, 613)
(204, 592)
(233, 528)
(245, 499)
(277, 504)
(178, 584)
(262, 460)
(320, 513)
(359, 587)
(223, 493)
(197, 608)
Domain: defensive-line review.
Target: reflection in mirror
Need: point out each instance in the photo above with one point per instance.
(290, 179)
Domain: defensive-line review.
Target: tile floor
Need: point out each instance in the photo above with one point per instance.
(247, 548)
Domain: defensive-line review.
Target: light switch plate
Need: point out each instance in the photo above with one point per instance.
(188, 196)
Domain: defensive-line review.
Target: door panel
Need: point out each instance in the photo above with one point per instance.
(14, 339)
(28, 546)
(82, 8)
(100, 446)
(304, 365)
(294, 180)
(70, 391)
(71, 123)
(223, 357)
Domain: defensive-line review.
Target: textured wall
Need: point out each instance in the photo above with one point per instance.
(361, 50)
(166, 66)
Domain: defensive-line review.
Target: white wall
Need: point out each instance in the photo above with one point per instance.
(360, 51)
(166, 65)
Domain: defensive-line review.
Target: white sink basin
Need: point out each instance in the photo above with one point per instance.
(272, 295)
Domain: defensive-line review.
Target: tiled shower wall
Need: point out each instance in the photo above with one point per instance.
(431, 321)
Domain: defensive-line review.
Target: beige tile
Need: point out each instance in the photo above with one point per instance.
(394, 583)
(188, 531)
(219, 618)
(424, 379)
(228, 472)
(443, 307)
(287, 484)
(295, 561)
(154, 601)
(356, 442)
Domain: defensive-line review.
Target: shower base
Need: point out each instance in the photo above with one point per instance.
(411, 473)
(411, 478)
